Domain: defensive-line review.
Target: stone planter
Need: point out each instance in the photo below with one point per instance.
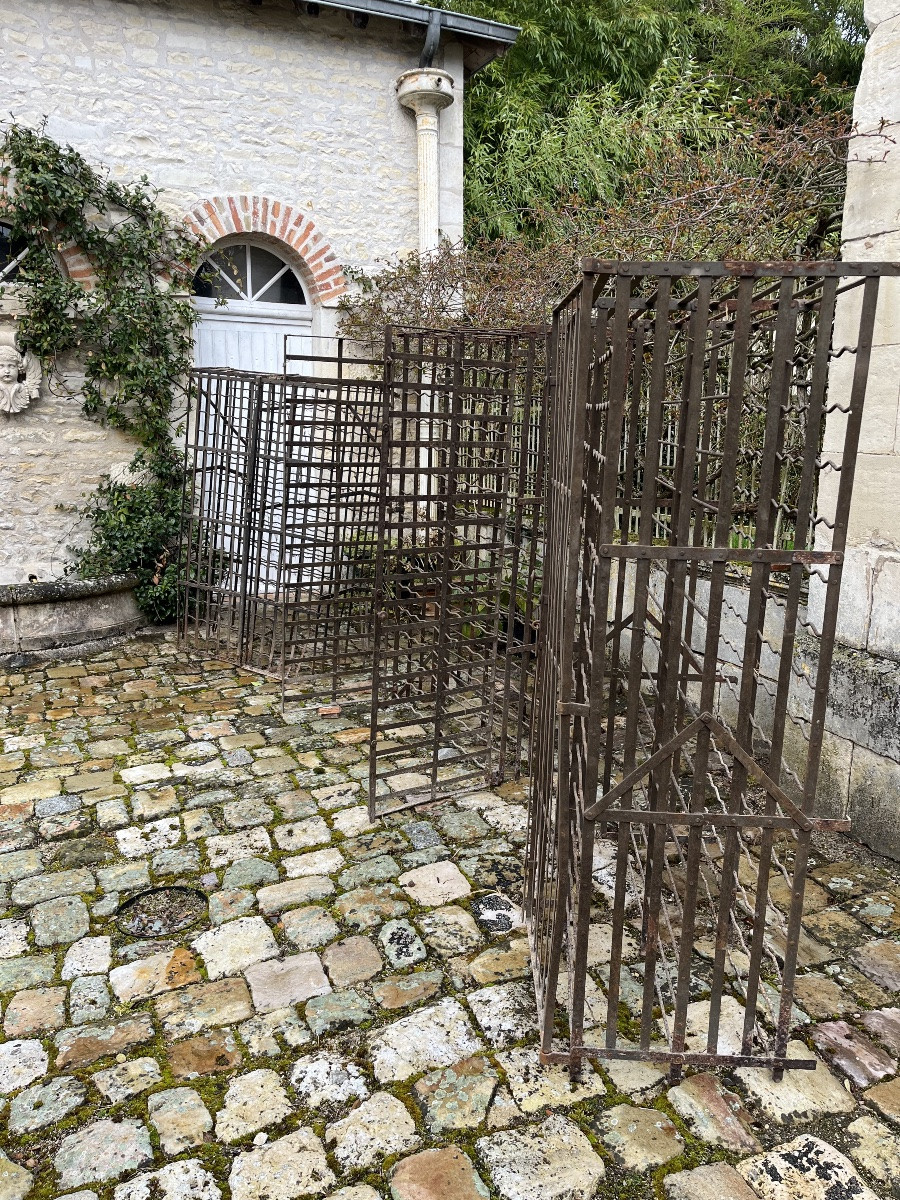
(37, 617)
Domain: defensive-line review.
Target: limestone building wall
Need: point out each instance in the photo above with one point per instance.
(241, 115)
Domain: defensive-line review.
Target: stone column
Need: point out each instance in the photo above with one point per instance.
(426, 91)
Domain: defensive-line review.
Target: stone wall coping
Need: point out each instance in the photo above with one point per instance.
(65, 589)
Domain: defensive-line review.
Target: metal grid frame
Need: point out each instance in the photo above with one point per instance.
(677, 746)
(457, 573)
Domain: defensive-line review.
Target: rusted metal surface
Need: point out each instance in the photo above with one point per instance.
(457, 568)
(677, 742)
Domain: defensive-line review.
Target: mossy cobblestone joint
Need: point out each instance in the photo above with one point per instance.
(367, 1039)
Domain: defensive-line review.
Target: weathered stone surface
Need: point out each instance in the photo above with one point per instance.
(437, 1036)
(451, 930)
(639, 1138)
(35, 1010)
(402, 945)
(127, 1079)
(125, 1147)
(316, 862)
(185, 1180)
(437, 1175)
(731, 1026)
(58, 922)
(337, 1009)
(259, 1033)
(880, 960)
(241, 814)
(18, 864)
(886, 1098)
(853, 1053)
(90, 956)
(89, 999)
(84, 1045)
(51, 885)
(501, 962)
(250, 873)
(231, 948)
(804, 1169)
(253, 1101)
(457, 1097)
(135, 842)
(713, 1113)
(155, 974)
(291, 980)
(834, 927)
(379, 1128)
(550, 1161)
(15, 1181)
(228, 848)
(353, 960)
(884, 1024)
(435, 884)
(26, 971)
(378, 869)
(535, 1087)
(506, 1013)
(290, 1167)
(876, 1149)
(210, 1053)
(402, 991)
(180, 1118)
(366, 907)
(600, 945)
(300, 835)
(227, 906)
(309, 927)
(820, 995)
(21, 1062)
(715, 1182)
(45, 1104)
(327, 1078)
(800, 1095)
(203, 1006)
(280, 896)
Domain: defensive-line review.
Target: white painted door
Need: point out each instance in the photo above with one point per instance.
(239, 336)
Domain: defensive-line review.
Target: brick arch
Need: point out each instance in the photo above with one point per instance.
(224, 216)
(77, 265)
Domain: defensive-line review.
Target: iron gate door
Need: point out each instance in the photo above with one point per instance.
(696, 522)
(457, 566)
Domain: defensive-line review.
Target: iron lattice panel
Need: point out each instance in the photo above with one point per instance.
(695, 537)
(457, 571)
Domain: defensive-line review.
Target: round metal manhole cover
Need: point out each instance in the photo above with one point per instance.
(161, 910)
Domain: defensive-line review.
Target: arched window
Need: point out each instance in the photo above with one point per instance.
(250, 274)
(12, 251)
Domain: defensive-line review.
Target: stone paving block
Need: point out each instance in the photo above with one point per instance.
(403, 991)
(153, 975)
(180, 1118)
(125, 1147)
(250, 873)
(292, 1166)
(127, 1079)
(436, 884)
(259, 1033)
(185, 1180)
(293, 892)
(378, 1128)
(640, 1080)
(366, 907)
(197, 823)
(402, 945)
(800, 1095)
(352, 821)
(316, 862)
(880, 961)
(15, 1181)
(451, 930)
(90, 956)
(506, 1013)
(805, 1169)
(252, 1102)
(45, 1104)
(212, 1053)
(820, 995)
(18, 864)
(379, 869)
(48, 887)
(203, 1006)
(34, 1010)
(328, 1079)
(535, 1087)
(230, 848)
(457, 1097)
(886, 1098)
(292, 980)
(437, 1175)
(853, 1053)
(731, 1026)
(230, 948)
(136, 841)
(713, 1113)
(242, 814)
(89, 999)
(718, 1181)
(639, 1138)
(124, 877)
(876, 1149)
(81, 1046)
(884, 1024)
(309, 927)
(58, 922)
(185, 860)
(302, 835)
(550, 1161)
(437, 1036)
(337, 1009)
(228, 906)
(353, 960)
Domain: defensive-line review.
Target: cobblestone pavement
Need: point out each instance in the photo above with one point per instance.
(345, 1011)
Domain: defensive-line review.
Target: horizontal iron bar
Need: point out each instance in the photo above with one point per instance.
(721, 554)
(776, 1062)
(738, 269)
(738, 820)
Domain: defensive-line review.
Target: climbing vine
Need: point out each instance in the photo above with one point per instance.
(131, 330)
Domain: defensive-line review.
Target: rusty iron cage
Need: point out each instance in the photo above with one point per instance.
(462, 476)
(706, 419)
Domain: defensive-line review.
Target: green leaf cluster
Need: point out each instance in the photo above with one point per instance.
(131, 331)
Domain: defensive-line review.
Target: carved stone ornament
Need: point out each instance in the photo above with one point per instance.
(20, 379)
